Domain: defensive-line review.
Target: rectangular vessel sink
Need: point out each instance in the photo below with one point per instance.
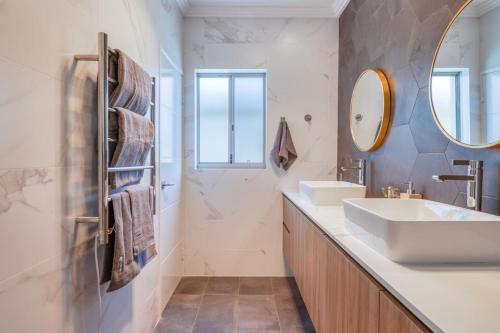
(330, 193)
(424, 232)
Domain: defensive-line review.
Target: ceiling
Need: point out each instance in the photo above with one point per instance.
(478, 8)
(262, 8)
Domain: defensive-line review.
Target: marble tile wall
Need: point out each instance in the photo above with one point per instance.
(233, 218)
(400, 37)
(48, 163)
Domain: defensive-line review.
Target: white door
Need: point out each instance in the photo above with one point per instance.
(170, 160)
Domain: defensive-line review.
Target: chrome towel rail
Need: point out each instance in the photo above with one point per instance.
(103, 139)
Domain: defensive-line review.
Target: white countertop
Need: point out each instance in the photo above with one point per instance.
(445, 298)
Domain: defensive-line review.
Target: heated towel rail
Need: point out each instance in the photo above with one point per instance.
(103, 110)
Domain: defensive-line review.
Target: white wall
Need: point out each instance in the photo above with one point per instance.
(490, 68)
(233, 218)
(47, 160)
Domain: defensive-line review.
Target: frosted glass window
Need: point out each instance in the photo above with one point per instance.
(248, 119)
(231, 120)
(448, 105)
(213, 143)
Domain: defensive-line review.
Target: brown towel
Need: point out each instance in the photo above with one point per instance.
(124, 268)
(134, 88)
(135, 138)
(141, 198)
(283, 152)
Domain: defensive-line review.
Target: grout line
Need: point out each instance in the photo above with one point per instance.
(277, 312)
(197, 313)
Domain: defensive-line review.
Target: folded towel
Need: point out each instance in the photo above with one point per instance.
(141, 198)
(283, 152)
(133, 91)
(124, 268)
(135, 138)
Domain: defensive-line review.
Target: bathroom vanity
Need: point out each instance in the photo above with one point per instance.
(339, 294)
(347, 286)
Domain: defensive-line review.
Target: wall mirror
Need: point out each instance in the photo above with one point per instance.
(465, 80)
(370, 110)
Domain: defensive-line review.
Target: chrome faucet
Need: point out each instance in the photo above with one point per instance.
(361, 168)
(474, 179)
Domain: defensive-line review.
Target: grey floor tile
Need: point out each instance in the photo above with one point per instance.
(180, 314)
(292, 314)
(222, 286)
(216, 314)
(284, 286)
(192, 285)
(257, 312)
(292, 311)
(255, 286)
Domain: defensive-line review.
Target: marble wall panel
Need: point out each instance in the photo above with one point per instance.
(233, 217)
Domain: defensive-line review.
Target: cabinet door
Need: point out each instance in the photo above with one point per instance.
(351, 298)
(290, 222)
(286, 242)
(315, 257)
(394, 318)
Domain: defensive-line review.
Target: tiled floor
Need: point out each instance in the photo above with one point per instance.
(235, 305)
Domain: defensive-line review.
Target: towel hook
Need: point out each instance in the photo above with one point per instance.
(308, 117)
(282, 119)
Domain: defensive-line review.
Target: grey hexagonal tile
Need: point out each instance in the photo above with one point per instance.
(424, 40)
(424, 9)
(397, 54)
(491, 205)
(393, 166)
(404, 91)
(425, 167)
(428, 137)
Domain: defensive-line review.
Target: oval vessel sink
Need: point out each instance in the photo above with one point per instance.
(422, 231)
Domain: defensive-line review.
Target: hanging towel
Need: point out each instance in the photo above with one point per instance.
(283, 152)
(141, 198)
(135, 139)
(124, 268)
(133, 90)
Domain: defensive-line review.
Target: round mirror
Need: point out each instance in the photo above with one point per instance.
(370, 110)
(465, 80)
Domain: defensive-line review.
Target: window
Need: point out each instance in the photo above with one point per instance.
(231, 118)
(447, 85)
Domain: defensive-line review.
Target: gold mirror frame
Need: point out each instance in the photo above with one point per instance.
(436, 119)
(386, 117)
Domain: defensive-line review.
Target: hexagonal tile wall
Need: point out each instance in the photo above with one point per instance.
(403, 45)
(428, 137)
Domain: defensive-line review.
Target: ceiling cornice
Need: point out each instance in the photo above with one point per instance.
(339, 6)
(249, 11)
(184, 6)
(478, 9)
(485, 6)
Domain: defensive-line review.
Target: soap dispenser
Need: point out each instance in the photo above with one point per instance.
(410, 192)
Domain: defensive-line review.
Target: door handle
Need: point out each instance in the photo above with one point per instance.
(164, 184)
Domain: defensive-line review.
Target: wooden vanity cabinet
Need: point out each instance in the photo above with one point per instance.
(394, 318)
(339, 295)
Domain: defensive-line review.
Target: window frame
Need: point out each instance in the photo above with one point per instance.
(231, 75)
(457, 76)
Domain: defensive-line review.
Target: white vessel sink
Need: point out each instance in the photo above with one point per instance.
(330, 193)
(424, 232)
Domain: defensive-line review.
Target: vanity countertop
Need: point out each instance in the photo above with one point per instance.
(445, 298)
